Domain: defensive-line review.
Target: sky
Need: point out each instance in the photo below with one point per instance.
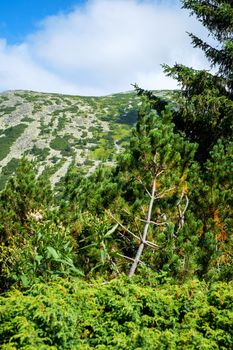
(94, 47)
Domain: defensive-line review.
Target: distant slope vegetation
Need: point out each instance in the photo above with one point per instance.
(56, 129)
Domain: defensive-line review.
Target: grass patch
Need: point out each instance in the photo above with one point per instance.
(104, 150)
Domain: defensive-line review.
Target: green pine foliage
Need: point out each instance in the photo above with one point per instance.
(122, 314)
(202, 113)
(160, 156)
(205, 108)
(216, 16)
(212, 204)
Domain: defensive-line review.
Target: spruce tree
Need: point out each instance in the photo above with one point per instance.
(204, 113)
(205, 107)
(217, 17)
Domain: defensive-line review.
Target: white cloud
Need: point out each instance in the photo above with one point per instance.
(102, 48)
(19, 71)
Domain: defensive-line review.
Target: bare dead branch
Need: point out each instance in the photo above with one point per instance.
(162, 193)
(127, 257)
(151, 244)
(181, 213)
(154, 222)
(145, 188)
(159, 173)
(122, 226)
(187, 204)
(181, 197)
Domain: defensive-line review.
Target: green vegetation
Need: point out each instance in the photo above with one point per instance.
(119, 315)
(137, 254)
(61, 122)
(7, 110)
(27, 120)
(8, 137)
(62, 144)
(37, 108)
(102, 153)
(40, 153)
(3, 98)
(8, 171)
(59, 143)
(32, 97)
(44, 128)
(56, 165)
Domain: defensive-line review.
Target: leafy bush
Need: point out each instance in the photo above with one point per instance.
(46, 252)
(34, 246)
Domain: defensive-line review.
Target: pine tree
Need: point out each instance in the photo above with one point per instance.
(153, 174)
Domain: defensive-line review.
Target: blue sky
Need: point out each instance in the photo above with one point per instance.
(93, 47)
(18, 18)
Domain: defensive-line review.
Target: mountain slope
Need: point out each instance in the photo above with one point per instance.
(56, 129)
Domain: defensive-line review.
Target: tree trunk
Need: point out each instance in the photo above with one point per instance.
(145, 231)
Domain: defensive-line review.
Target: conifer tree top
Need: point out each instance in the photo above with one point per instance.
(217, 17)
